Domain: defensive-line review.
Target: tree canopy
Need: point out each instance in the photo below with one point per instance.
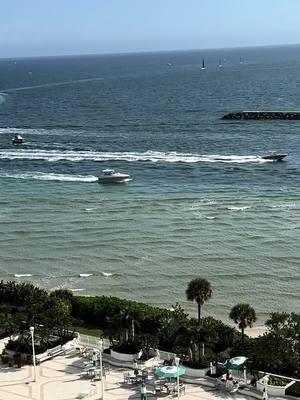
(199, 290)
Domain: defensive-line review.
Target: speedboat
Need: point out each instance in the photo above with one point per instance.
(17, 139)
(110, 176)
(274, 157)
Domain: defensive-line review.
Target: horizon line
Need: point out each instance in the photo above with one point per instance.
(147, 51)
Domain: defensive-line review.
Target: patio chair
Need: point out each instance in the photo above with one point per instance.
(181, 388)
(158, 390)
(145, 375)
(84, 374)
(126, 377)
(106, 369)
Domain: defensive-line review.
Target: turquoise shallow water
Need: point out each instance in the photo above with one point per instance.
(200, 203)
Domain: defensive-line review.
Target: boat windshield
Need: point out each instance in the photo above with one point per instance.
(108, 171)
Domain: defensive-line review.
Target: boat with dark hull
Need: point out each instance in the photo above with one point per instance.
(17, 139)
(274, 157)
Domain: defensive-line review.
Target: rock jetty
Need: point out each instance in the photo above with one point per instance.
(291, 115)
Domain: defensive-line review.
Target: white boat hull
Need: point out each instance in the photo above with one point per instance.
(115, 178)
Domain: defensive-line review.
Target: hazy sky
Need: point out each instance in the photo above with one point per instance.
(56, 27)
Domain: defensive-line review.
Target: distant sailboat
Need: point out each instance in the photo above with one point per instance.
(220, 63)
(203, 64)
(241, 61)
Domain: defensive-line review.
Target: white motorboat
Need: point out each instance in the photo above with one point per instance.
(17, 139)
(110, 176)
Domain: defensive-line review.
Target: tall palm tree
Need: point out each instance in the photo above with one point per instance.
(243, 315)
(199, 290)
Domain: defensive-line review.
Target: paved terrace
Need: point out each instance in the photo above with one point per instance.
(59, 379)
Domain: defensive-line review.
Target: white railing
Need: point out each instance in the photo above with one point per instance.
(91, 341)
(166, 355)
(3, 343)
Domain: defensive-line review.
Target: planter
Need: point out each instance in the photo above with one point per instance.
(196, 372)
(273, 390)
(123, 356)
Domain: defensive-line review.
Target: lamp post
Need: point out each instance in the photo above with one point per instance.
(31, 330)
(177, 359)
(100, 345)
(265, 389)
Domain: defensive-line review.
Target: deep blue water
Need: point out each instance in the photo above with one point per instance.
(201, 201)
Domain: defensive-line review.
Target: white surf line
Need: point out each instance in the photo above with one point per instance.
(51, 85)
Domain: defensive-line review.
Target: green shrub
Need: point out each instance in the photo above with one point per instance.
(276, 381)
(293, 390)
(128, 348)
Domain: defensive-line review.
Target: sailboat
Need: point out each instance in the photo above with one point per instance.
(220, 63)
(241, 61)
(203, 64)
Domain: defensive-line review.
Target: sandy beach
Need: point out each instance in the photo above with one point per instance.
(255, 331)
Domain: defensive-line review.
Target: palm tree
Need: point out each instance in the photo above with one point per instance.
(199, 290)
(243, 315)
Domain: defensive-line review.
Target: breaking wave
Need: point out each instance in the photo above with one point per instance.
(51, 177)
(2, 98)
(151, 156)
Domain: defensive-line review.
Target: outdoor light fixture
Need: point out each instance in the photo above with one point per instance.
(177, 359)
(100, 346)
(31, 330)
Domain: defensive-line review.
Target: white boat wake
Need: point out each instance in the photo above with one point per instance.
(50, 177)
(151, 156)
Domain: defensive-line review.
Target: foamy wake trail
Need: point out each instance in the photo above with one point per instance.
(22, 275)
(51, 177)
(287, 205)
(234, 208)
(45, 85)
(152, 156)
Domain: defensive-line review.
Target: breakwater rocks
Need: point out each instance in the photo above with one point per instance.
(290, 115)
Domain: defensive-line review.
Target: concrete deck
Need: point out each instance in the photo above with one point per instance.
(59, 379)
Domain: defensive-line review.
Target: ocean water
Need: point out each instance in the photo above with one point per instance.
(201, 202)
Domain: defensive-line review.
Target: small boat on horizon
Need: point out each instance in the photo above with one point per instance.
(203, 64)
(110, 176)
(17, 139)
(274, 156)
(220, 63)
